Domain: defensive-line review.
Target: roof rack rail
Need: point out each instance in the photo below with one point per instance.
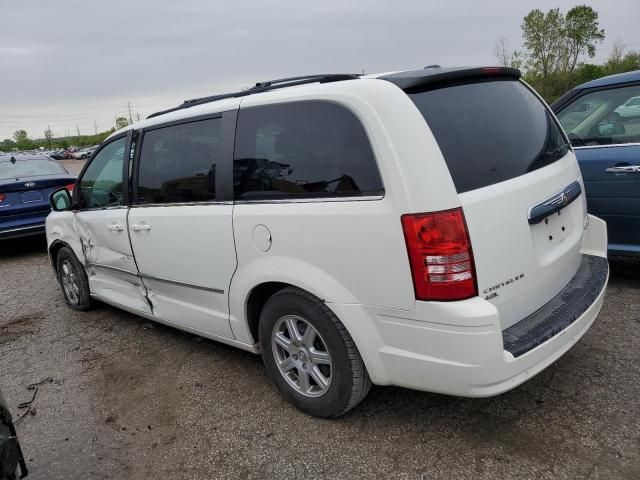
(263, 87)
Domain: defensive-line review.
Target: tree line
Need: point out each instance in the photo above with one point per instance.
(21, 140)
(556, 48)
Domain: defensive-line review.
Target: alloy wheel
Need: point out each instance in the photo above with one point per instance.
(70, 282)
(301, 356)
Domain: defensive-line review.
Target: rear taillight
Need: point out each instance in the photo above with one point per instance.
(2, 197)
(440, 255)
(70, 187)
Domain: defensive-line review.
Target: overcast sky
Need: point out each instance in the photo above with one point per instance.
(75, 63)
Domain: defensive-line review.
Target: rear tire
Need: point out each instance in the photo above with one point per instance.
(73, 280)
(310, 356)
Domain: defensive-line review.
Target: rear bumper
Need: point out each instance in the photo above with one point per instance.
(459, 348)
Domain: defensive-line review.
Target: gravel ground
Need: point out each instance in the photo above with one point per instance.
(73, 166)
(132, 399)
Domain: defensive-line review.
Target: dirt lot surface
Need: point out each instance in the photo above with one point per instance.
(129, 399)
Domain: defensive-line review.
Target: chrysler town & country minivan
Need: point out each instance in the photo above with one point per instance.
(423, 228)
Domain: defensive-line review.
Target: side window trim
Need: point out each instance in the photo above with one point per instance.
(125, 168)
(224, 180)
(75, 196)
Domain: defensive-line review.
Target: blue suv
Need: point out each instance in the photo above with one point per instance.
(602, 121)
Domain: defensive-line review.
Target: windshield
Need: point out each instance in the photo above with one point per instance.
(29, 168)
(490, 131)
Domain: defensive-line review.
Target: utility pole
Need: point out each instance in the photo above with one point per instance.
(129, 108)
(95, 126)
(78, 129)
(138, 116)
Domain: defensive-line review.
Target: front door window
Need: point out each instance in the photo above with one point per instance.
(101, 184)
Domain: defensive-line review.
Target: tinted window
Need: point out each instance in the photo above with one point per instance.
(178, 163)
(603, 117)
(101, 183)
(302, 149)
(28, 168)
(490, 131)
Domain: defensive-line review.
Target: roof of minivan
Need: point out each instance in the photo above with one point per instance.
(403, 79)
(611, 80)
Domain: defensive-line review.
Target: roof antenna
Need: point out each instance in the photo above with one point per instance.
(435, 65)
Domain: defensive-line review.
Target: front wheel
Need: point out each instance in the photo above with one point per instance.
(73, 280)
(310, 356)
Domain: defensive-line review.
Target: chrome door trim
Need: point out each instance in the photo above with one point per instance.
(363, 198)
(181, 204)
(151, 277)
(181, 284)
(585, 147)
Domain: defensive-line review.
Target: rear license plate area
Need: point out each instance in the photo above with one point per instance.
(31, 196)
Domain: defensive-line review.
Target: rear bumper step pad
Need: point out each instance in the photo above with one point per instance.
(564, 309)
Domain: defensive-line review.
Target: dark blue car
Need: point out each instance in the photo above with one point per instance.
(25, 184)
(602, 120)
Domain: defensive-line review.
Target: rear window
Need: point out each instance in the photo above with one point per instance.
(29, 168)
(490, 131)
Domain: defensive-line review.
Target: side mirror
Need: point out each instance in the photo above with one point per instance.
(60, 200)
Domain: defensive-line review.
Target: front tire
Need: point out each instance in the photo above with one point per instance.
(73, 280)
(310, 356)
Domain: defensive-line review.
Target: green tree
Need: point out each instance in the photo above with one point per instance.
(20, 136)
(555, 46)
(543, 35)
(619, 61)
(48, 135)
(7, 144)
(582, 33)
(121, 122)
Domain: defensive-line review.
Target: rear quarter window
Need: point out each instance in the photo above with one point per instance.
(490, 131)
(302, 150)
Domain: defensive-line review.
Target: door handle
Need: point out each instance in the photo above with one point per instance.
(115, 227)
(137, 227)
(624, 169)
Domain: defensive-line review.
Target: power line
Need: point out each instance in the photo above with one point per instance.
(129, 108)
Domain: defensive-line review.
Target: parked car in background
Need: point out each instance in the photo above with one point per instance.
(84, 153)
(602, 120)
(425, 229)
(630, 109)
(25, 184)
(69, 152)
(57, 154)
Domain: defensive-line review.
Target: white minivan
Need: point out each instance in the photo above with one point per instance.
(425, 229)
